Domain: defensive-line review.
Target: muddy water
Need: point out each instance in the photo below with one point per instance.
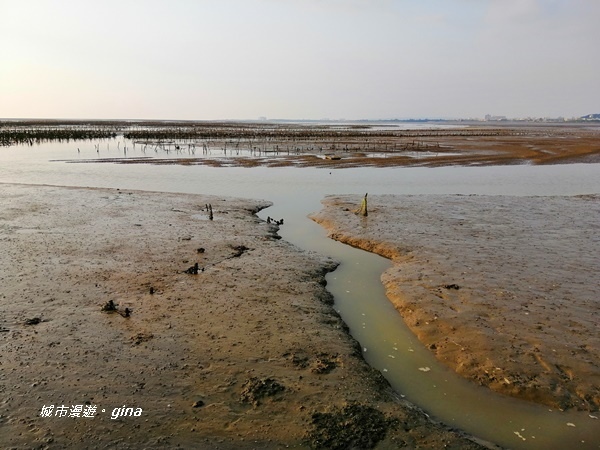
(388, 345)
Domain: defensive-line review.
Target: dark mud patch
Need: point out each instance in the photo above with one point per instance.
(354, 426)
(239, 250)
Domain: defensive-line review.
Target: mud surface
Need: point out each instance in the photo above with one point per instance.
(502, 289)
(331, 147)
(101, 317)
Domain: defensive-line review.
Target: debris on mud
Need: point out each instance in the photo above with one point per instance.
(452, 286)
(109, 306)
(194, 269)
(33, 321)
(239, 250)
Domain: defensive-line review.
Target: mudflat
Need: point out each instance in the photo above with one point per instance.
(462, 143)
(504, 290)
(132, 320)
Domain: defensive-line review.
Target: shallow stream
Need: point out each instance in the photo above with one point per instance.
(387, 343)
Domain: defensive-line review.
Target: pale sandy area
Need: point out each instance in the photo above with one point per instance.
(502, 289)
(247, 353)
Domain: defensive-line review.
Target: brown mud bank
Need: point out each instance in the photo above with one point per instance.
(242, 350)
(504, 290)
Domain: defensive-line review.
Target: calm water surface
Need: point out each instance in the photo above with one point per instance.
(387, 343)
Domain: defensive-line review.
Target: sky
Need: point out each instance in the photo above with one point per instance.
(298, 59)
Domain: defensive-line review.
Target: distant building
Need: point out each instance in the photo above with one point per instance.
(591, 117)
(489, 118)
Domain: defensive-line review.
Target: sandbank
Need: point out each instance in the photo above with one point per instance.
(504, 290)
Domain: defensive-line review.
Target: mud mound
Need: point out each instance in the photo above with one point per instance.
(354, 426)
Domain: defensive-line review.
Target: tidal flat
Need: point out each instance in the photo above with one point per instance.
(501, 289)
(212, 159)
(246, 351)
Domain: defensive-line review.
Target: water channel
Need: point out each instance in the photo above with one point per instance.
(387, 343)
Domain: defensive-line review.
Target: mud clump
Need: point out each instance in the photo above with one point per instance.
(239, 250)
(138, 338)
(354, 426)
(256, 389)
(323, 364)
(33, 321)
(193, 270)
(109, 306)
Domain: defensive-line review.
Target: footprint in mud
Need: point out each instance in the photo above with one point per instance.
(255, 389)
(323, 363)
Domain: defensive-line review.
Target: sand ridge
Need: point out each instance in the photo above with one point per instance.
(502, 289)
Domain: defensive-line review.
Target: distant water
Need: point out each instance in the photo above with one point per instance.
(44, 164)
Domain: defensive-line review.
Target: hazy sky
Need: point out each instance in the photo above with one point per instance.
(298, 59)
